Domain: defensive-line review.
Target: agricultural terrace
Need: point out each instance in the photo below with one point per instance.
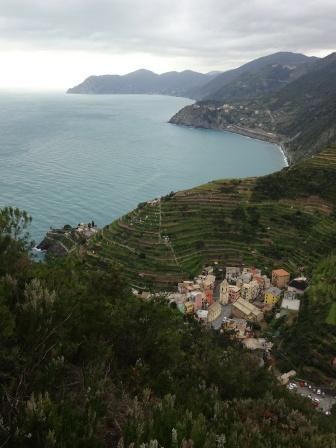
(286, 218)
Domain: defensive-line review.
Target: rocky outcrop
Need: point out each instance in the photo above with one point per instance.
(61, 242)
(53, 245)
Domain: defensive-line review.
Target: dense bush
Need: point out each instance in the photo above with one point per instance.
(84, 364)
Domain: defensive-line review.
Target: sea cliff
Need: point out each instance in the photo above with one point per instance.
(222, 118)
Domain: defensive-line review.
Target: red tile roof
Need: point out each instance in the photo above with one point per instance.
(280, 272)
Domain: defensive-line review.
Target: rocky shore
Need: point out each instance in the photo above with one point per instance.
(222, 119)
(61, 242)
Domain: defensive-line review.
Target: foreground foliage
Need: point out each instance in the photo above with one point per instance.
(83, 364)
(310, 345)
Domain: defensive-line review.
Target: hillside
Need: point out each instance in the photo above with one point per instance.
(143, 82)
(284, 218)
(300, 116)
(85, 364)
(258, 71)
(257, 75)
(266, 80)
(310, 345)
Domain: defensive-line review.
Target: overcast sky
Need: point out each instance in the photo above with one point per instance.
(58, 43)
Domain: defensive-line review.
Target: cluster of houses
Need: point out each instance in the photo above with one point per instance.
(240, 299)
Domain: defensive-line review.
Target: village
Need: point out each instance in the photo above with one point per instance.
(238, 301)
(241, 301)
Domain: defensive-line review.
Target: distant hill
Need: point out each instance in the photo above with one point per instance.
(262, 75)
(258, 70)
(301, 115)
(144, 82)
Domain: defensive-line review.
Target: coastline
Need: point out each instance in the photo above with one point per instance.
(275, 139)
(282, 149)
(249, 133)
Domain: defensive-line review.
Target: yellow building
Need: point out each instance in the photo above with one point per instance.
(189, 307)
(272, 295)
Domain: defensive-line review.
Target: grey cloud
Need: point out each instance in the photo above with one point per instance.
(213, 32)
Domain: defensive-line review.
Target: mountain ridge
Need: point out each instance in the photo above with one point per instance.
(300, 116)
(142, 81)
(187, 83)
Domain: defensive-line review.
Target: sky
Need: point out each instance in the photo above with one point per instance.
(55, 44)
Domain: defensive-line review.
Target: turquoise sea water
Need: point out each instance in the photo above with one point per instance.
(73, 158)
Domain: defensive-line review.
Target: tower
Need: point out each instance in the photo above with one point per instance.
(224, 292)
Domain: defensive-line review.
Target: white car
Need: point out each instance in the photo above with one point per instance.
(318, 391)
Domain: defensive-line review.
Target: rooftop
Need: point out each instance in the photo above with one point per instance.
(246, 307)
(280, 272)
(299, 283)
(274, 291)
(290, 304)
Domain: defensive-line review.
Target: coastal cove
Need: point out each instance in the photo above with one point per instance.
(71, 158)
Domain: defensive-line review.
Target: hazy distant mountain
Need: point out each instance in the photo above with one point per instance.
(261, 75)
(144, 82)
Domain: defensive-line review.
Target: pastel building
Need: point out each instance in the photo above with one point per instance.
(209, 281)
(224, 292)
(234, 293)
(272, 295)
(280, 278)
(209, 296)
(250, 291)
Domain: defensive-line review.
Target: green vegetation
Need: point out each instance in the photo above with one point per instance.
(293, 107)
(331, 319)
(285, 219)
(84, 364)
(310, 345)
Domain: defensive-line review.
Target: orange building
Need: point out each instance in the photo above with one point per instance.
(280, 278)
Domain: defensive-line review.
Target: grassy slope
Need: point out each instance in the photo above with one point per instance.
(283, 219)
(310, 344)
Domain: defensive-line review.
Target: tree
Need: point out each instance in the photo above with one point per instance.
(14, 222)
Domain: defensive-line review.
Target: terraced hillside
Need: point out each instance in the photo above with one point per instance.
(286, 219)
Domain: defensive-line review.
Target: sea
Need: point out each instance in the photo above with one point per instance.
(67, 159)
